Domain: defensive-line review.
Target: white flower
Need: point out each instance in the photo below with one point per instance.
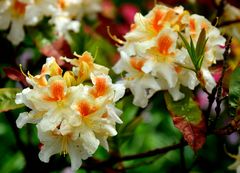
(54, 142)
(12, 14)
(153, 51)
(71, 116)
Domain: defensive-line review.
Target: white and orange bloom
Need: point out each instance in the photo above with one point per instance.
(64, 15)
(74, 116)
(12, 14)
(154, 46)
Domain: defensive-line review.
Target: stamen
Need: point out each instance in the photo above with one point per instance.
(20, 67)
(96, 53)
(114, 37)
(64, 147)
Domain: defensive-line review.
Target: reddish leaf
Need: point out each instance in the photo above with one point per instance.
(57, 49)
(15, 74)
(193, 134)
(188, 118)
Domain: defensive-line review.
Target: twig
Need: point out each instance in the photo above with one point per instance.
(220, 11)
(233, 126)
(152, 152)
(230, 22)
(220, 83)
(94, 164)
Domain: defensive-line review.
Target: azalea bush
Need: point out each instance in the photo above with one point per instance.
(119, 86)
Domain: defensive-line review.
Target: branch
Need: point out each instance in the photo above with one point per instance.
(230, 22)
(93, 164)
(233, 126)
(220, 11)
(220, 82)
(152, 152)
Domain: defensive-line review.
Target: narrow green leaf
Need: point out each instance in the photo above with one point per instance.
(7, 99)
(187, 45)
(201, 42)
(194, 55)
(188, 118)
(234, 91)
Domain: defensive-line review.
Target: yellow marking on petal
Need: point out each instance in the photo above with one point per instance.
(53, 69)
(69, 78)
(114, 37)
(64, 145)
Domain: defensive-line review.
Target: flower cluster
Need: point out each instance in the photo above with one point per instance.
(65, 15)
(154, 56)
(74, 111)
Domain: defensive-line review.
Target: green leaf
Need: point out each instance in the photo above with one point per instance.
(234, 92)
(201, 43)
(7, 99)
(188, 118)
(187, 45)
(196, 53)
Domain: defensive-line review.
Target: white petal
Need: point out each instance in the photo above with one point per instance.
(22, 119)
(114, 113)
(4, 21)
(50, 147)
(16, 34)
(209, 80)
(90, 142)
(119, 89)
(77, 153)
(176, 94)
(50, 120)
(167, 72)
(103, 141)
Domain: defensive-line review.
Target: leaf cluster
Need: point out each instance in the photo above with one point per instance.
(196, 53)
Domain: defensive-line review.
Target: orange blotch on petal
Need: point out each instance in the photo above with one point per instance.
(132, 27)
(100, 87)
(164, 44)
(192, 26)
(56, 92)
(178, 69)
(169, 16)
(41, 81)
(86, 57)
(157, 19)
(19, 7)
(62, 4)
(84, 108)
(105, 115)
(137, 63)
